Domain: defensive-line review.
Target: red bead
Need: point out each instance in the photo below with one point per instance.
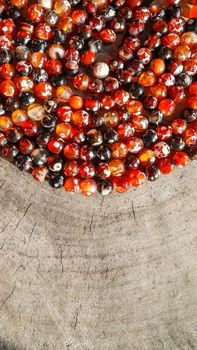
(136, 177)
(55, 145)
(181, 159)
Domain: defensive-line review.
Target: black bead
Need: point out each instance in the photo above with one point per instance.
(51, 105)
(176, 143)
(55, 165)
(173, 11)
(56, 181)
(58, 80)
(165, 53)
(27, 98)
(111, 136)
(39, 156)
(109, 13)
(104, 153)
(48, 122)
(131, 162)
(11, 104)
(149, 137)
(155, 118)
(152, 173)
(189, 115)
(105, 187)
(9, 152)
(39, 75)
(13, 12)
(192, 152)
(14, 135)
(3, 140)
(136, 90)
(23, 162)
(38, 45)
(77, 42)
(43, 139)
(5, 56)
(59, 36)
(184, 80)
(22, 53)
(191, 25)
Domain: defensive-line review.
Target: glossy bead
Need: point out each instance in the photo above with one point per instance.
(71, 151)
(117, 167)
(161, 149)
(7, 88)
(192, 102)
(135, 144)
(55, 145)
(40, 173)
(158, 66)
(26, 146)
(71, 168)
(87, 170)
(35, 112)
(119, 150)
(72, 185)
(63, 130)
(5, 123)
(19, 116)
(81, 81)
(193, 89)
(62, 7)
(165, 166)
(101, 70)
(146, 157)
(140, 123)
(88, 187)
(63, 93)
(179, 126)
(136, 177)
(105, 187)
(181, 159)
(152, 172)
(167, 107)
(35, 13)
(147, 79)
(164, 132)
(121, 184)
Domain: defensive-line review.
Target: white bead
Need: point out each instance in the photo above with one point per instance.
(101, 70)
(48, 4)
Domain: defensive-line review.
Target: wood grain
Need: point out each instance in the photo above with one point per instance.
(92, 273)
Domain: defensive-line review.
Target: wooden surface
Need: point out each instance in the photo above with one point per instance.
(117, 273)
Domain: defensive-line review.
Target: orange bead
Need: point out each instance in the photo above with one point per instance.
(72, 185)
(76, 102)
(165, 166)
(19, 116)
(63, 93)
(8, 88)
(193, 12)
(88, 187)
(63, 130)
(66, 24)
(136, 178)
(190, 137)
(79, 17)
(146, 157)
(182, 53)
(7, 71)
(71, 151)
(167, 107)
(134, 107)
(19, 3)
(38, 59)
(134, 144)
(43, 90)
(62, 7)
(159, 91)
(5, 123)
(119, 150)
(117, 167)
(81, 118)
(43, 31)
(24, 84)
(158, 66)
(35, 13)
(121, 184)
(192, 102)
(140, 123)
(189, 39)
(147, 79)
(181, 159)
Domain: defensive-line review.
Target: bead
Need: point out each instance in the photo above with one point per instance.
(158, 66)
(136, 177)
(152, 172)
(117, 167)
(35, 112)
(147, 79)
(101, 70)
(88, 187)
(62, 7)
(55, 145)
(181, 159)
(72, 185)
(105, 187)
(167, 107)
(5, 123)
(63, 130)
(63, 93)
(71, 151)
(161, 149)
(165, 166)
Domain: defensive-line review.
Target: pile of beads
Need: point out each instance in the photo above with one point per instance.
(97, 95)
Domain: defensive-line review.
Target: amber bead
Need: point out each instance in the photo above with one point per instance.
(43, 90)
(176, 93)
(24, 84)
(7, 71)
(182, 53)
(62, 7)
(171, 40)
(140, 123)
(63, 130)
(5, 123)
(158, 66)
(159, 91)
(63, 93)
(189, 39)
(71, 168)
(76, 102)
(103, 170)
(72, 185)
(125, 130)
(146, 157)
(135, 107)
(38, 59)
(66, 24)
(119, 150)
(19, 116)
(26, 146)
(81, 118)
(87, 170)
(88, 187)
(136, 177)
(71, 151)
(19, 3)
(181, 159)
(64, 113)
(147, 79)
(117, 167)
(111, 119)
(36, 112)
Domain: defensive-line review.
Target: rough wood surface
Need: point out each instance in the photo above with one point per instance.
(117, 273)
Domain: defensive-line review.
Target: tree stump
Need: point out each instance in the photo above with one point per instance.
(116, 273)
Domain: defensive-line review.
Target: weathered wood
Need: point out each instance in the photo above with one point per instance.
(93, 273)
